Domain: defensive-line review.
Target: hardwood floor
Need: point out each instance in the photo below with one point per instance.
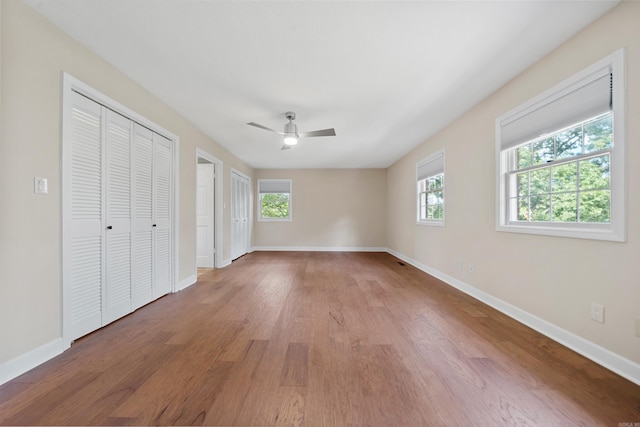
(318, 339)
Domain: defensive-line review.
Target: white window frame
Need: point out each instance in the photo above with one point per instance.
(289, 184)
(616, 229)
(435, 164)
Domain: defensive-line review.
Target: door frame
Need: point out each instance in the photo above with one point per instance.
(217, 206)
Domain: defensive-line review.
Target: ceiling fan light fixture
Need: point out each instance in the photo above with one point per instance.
(290, 131)
(291, 139)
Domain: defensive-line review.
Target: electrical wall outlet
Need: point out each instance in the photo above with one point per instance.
(472, 268)
(597, 312)
(638, 327)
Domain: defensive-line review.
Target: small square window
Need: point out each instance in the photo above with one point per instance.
(274, 200)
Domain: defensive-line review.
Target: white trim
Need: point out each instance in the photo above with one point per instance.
(616, 230)
(225, 262)
(186, 282)
(29, 360)
(218, 203)
(320, 249)
(620, 365)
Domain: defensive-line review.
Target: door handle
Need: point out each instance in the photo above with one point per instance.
(153, 225)
(109, 227)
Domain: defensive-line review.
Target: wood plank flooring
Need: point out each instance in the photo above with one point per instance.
(318, 339)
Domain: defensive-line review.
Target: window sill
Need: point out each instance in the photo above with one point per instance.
(595, 232)
(433, 223)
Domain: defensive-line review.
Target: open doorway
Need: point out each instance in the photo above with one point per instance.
(208, 210)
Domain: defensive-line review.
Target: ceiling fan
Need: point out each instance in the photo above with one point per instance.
(291, 133)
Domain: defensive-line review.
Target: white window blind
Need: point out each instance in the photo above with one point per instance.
(430, 166)
(583, 99)
(274, 186)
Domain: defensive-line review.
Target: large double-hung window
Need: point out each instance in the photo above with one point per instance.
(561, 158)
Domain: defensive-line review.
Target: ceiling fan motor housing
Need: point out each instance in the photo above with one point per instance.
(290, 128)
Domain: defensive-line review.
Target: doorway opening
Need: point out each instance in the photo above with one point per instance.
(209, 208)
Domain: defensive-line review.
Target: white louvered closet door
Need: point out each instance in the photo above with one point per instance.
(83, 245)
(142, 222)
(117, 205)
(162, 184)
(240, 206)
(117, 290)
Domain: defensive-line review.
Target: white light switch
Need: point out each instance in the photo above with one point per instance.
(40, 185)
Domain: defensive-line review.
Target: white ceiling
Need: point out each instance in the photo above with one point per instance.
(386, 74)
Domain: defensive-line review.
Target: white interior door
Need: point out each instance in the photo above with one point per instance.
(117, 291)
(239, 215)
(161, 227)
(83, 220)
(205, 234)
(141, 225)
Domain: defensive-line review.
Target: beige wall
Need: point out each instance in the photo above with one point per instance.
(34, 53)
(331, 208)
(555, 279)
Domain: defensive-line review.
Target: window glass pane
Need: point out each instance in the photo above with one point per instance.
(595, 173)
(595, 206)
(543, 151)
(439, 212)
(539, 181)
(435, 182)
(598, 134)
(435, 198)
(564, 208)
(540, 208)
(564, 177)
(524, 156)
(569, 143)
(439, 181)
(523, 209)
(274, 205)
(523, 184)
(430, 211)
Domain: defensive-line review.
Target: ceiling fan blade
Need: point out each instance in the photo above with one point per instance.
(286, 147)
(264, 127)
(323, 132)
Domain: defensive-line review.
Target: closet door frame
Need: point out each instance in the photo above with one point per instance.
(71, 84)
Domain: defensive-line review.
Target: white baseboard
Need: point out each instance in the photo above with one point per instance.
(320, 249)
(225, 262)
(185, 283)
(620, 365)
(25, 362)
